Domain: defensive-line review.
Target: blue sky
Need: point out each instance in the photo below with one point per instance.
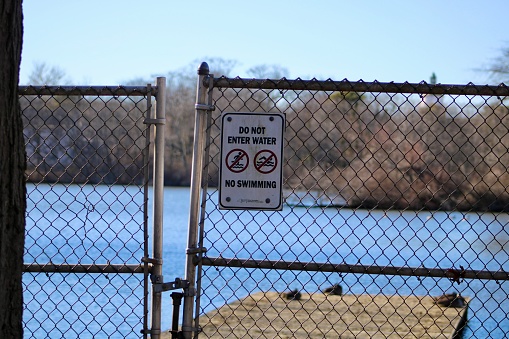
(110, 42)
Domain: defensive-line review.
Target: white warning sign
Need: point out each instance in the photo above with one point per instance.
(251, 161)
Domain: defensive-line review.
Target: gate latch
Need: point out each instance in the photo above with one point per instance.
(174, 285)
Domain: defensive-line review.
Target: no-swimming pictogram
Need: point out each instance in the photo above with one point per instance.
(237, 160)
(265, 161)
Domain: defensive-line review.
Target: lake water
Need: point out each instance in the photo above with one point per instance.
(431, 239)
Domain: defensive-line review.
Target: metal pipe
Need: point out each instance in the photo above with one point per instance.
(285, 84)
(203, 204)
(86, 90)
(361, 86)
(83, 268)
(177, 301)
(196, 178)
(158, 191)
(146, 161)
(358, 269)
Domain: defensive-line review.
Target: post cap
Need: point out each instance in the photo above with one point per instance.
(203, 69)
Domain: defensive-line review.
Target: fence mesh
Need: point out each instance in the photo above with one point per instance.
(395, 195)
(86, 223)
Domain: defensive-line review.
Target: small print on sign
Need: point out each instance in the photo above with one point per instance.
(251, 157)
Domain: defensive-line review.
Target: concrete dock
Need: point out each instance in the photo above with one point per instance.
(271, 315)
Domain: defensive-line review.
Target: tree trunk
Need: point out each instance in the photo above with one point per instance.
(12, 172)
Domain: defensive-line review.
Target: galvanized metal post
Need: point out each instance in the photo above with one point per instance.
(158, 191)
(196, 179)
(146, 155)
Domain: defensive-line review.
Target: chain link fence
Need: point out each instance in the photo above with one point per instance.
(87, 221)
(395, 195)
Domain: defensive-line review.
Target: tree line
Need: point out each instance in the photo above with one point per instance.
(370, 150)
(386, 151)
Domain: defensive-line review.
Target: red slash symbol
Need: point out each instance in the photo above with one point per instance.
(237, 160)
(265, 161)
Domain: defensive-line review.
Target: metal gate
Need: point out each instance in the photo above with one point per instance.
(87, 261)
(396, 199)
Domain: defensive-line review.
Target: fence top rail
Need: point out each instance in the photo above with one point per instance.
(345, 85)
(88, 90)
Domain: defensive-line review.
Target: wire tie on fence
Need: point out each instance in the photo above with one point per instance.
(456, 276)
